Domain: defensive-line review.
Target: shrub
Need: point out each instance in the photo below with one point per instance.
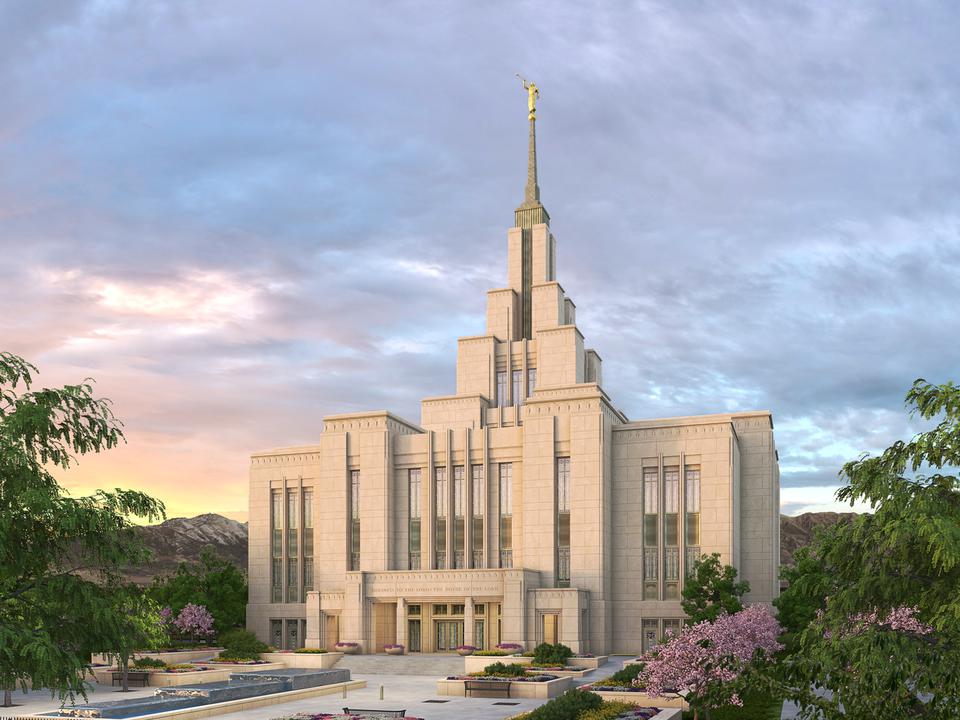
(501, 670)
(181, 667)
(608, 711)
(624, 677)
(567, 706)
(148, 662)
(547, 654)
(492, 653)
(242, 642)
(310, 651)
(510, 647)
(236, 656)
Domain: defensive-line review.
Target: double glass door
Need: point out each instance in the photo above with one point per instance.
(449, 635)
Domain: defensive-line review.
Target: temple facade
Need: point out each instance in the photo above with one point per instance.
(523, 508)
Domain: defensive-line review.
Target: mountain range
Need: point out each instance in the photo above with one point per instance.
(182, 539)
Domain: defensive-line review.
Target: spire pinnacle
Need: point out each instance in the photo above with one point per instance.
(531, 211)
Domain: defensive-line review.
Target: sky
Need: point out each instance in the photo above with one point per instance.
(239, 217)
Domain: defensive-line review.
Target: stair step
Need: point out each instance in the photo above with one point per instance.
(437, 665)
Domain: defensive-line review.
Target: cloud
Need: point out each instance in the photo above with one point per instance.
(241, 218)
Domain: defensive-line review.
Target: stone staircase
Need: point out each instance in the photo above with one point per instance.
(423, 664)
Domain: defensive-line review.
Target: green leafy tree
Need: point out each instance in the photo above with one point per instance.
(141, 628)
(213, 582)
(712, 589)
(59, 555)
(796, 609)
(885, 638)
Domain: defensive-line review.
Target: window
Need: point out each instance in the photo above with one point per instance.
(457, 609)
(651, 497)
(479, 500)
(413, 548)
(276, 633)
(354, 519)
(671, 532)
(531, 381)
(672, 627)
(439, 609)
(563, 522)
(517, 387)
(692, 519)
(413, 610)
(293, 594)
(276, 549)
(307, 542)
(502, 399)
(459, 510)
(440, 532)
(506, 515)
(649, 634)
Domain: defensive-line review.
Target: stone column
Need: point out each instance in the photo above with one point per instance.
(312, 639)
(401, 622)
(468, 638)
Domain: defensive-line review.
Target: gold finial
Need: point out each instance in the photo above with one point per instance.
(532, 94)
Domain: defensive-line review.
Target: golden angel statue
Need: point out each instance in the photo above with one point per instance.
(532, 94)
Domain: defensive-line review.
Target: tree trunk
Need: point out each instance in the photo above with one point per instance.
(124, 687)
(7, 698)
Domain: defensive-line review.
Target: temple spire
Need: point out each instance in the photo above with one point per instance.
(531, 212)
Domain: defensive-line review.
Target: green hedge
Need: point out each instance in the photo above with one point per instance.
(756, 706)
(148, 662)
(547, 654)
(568, 706)
(242, 642)
(501, 670)
(608, 711)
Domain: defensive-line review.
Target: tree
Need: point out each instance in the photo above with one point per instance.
(706, 660)
(889, 576)
(214, 583)
(142, 627)
(194, 620)
(711, 590)
(59, 555)
(795, 608)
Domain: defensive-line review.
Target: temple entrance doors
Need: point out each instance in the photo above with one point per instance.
(331, 630)
(549, 623)
(449, 634)
(385, 625)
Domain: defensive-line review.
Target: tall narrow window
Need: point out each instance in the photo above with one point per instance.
(531, 381)
(440, 533)
(479, 505)
(307, 543)
(413, 482)
(354, 519)
(502, 389)
(563, 522)
(459, 513)
(671, 532)
(692, 507)
(517, 387)
(506, 515)
(293, 594)
(276, 549)
(651, 495)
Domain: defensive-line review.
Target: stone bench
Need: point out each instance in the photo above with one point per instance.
(133, 677)
(498, 686)
(376, 713)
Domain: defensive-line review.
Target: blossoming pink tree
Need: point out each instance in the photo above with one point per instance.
(705, 659)
(194, 620)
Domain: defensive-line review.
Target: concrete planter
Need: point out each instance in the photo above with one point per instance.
(642, 699)
(348, 649)
(477, 663)
(173, 657)
(393, 650)
(568, 671)
(669, 714)
(523, 690)
(465, 653)
(587, 662)
(322, 661)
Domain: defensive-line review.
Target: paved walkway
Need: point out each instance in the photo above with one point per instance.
(412, 693)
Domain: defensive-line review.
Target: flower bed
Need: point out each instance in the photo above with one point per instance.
(477, 662)
(565, 671)
(636, 696)
(333, 716)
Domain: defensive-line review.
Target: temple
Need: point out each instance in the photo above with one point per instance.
(523, 508)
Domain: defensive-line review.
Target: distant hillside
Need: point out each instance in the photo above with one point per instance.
(797, 531)
(182, 539)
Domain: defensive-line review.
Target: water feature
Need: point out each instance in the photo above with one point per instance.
(240, 686)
